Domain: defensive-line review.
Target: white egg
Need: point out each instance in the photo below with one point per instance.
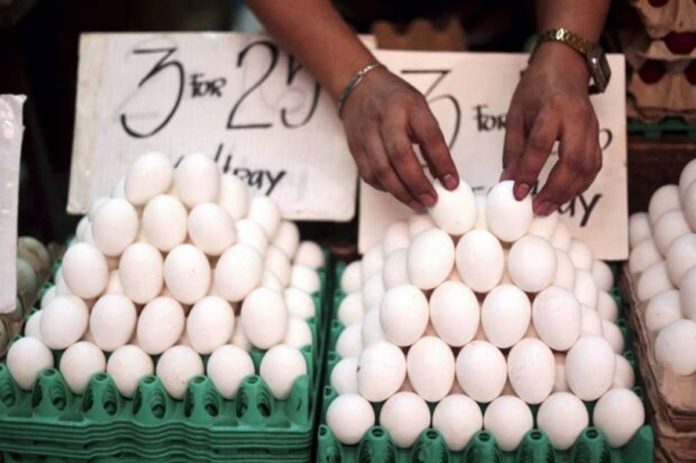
(563, 417)
(278, 263)
(305, 278)
(264, 211)
(618, 414)
(211, 228)
(350, 416)
(251, 234)
(234, 196)
(508, 418)
(344, 376)
(371, 329)
(112, 321)
(350, 309)
(79, 362)
(403, 314)
(480, 260)
(673, 341)
(591, 322)
(63, 321)
(662, 310)
(505, 315)
(560, 384)
(419, 222)
(113, 286)
(561, 237)
(239, 339)
(665, 198)
(310, 254)
(430, 258)
(287, 238)
(381, 371)
(689, 205)
(557, 317)
(48, 296)
(127, 365)
(643, 256)
(114, 226)
(349, 342)
(602, 274)
(565, 271)
(458, 419)
(624, 377)
(454, 313)
(613, 334)
(209, 324)
(271, 281)
(395, 237)
(481, 370)
(298, 334)
(481, 220)
(164, 222)
(607, 308)
(507, 218)
(590, 365)
(532, 263)
(299, 303)
(160, 325)
(187, 273)
(531, 370)
(149, 175)
(176, 367)
(264, 318)
(585, 288)
(372, 262)
(32, 328)
(680, 257)
(82, 226)
(227, 367)
(687, 294)
(280, 367)
(197, 179)
(395, 269)
(639, 228)
(687, 176)
(238, 272)
(455, 211)
(351, 280)
(669, 226)
(652, 281)
(26, 358)
(544, 226)
(430, 367)
(405, 416)
(140, 271)
(84, 270)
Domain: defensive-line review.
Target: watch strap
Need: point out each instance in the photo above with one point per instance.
(571, 39)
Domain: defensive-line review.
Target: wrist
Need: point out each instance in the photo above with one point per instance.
(559, 57)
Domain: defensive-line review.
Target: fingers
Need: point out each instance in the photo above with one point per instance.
(514, 144)
(406, 164)
(537, 148)
(426, 132)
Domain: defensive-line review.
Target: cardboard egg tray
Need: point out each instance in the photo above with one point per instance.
(376, 446)
(50, 423)
(675, 15)
(673, 397)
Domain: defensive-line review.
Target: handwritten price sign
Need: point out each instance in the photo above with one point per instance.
(237, 97)
(469, 93)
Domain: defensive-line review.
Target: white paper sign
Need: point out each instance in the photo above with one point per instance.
(469, 94)
(11, 131)
(236, 97)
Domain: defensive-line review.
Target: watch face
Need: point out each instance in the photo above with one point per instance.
(599, 67)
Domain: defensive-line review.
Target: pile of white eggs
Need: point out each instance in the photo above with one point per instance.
(476, 303)
(176, 264)
(663, 260)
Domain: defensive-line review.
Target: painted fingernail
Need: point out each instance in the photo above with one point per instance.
(546, 208)
(450, 182)
(415, 205)
(521, 191)
(427, 199)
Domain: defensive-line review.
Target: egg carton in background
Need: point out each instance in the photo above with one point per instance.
(673, 15)
(672, 93)
(638, 47)
(376, 446)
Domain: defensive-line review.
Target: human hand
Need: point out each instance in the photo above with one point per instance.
(382, 118)
(551, 103)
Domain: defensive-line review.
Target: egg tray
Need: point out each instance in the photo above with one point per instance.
(51, 422)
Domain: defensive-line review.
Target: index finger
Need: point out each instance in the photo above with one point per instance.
(426, 132)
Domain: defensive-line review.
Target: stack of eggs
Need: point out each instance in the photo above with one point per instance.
(481, 303)
(663, 260)
(176, 264)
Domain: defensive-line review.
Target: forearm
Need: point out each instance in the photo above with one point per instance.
(315, 33)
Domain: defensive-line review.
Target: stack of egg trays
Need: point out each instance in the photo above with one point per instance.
(377, 447)
(51, 423)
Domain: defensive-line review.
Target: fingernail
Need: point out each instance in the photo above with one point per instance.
(521, 191)
(545, 208)
(427, 200)
(415, 205)
(450, 182)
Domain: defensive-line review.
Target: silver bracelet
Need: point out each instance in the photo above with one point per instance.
(354, 82)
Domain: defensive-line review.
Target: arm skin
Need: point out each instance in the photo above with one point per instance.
(551, 103)
(384, 115)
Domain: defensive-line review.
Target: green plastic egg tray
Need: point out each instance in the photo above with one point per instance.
(377, 447)
(50, 423)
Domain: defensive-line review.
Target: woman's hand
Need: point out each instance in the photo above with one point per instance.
(383, 118)
(551, 103)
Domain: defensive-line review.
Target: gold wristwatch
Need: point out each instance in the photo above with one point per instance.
(593, 53)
